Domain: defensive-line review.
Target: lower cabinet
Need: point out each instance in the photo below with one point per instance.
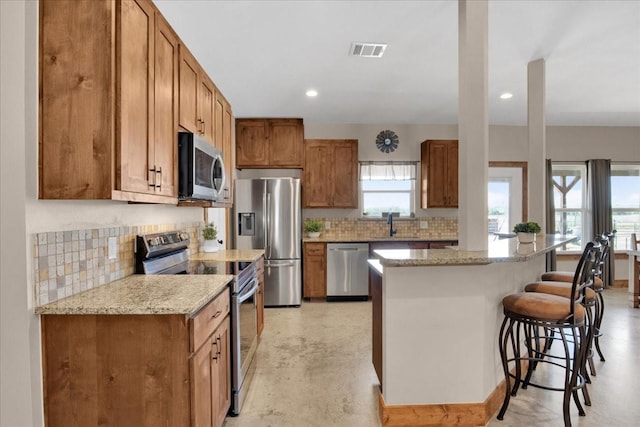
(315, 270)
(137, 370)
(210, 373)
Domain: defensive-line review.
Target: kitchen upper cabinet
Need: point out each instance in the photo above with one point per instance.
(108, 121)
(197, 97)
(315, 270)
(439, 169)
(269, 143)
(331, 173)
(222, 137)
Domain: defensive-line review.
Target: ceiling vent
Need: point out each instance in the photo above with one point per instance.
(367, 50)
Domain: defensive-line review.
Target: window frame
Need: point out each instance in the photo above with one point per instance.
(584, 211)
(411, 192)
(621, 242)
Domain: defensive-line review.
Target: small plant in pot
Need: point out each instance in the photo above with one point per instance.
(312, 227)
(209, 234)
(526, 231)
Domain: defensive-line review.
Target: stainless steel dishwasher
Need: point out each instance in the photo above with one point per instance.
(347, 272)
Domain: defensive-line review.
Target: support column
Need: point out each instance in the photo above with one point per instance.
(473, 124)
(537, 141)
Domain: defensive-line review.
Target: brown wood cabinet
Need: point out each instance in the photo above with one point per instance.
(197, 97)
(269, 143)
(375, 289)
(222, 137)
(410, 244)
(315, 270)
(108, 120)
(330, 173)
(439, 169)
(137, 370)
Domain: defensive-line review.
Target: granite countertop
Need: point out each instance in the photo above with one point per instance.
(230, 255)
(143, 294)
(355, 238)
(502, 250)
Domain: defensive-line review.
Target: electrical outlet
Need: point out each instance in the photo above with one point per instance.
(424, 225)
(112, 248)
(327, 225)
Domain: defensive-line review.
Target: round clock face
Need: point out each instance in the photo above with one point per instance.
(387, 141)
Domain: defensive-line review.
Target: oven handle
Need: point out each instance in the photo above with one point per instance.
(248, 291)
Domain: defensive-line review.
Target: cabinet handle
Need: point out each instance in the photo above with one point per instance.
(218, 344)
(217, 352)
(158, 171)
(153, 171)
(217, 313)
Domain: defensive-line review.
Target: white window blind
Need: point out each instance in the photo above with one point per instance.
(387, 171)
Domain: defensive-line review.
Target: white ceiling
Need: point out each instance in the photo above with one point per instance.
(264, 55)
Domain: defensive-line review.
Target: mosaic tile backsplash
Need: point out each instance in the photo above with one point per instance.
(437, 228)
(69, 262)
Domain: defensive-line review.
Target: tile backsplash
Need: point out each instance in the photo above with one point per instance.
(437, 228)
(69, 262)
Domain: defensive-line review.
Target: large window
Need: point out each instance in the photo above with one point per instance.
(569, 198)
(387, 187)
(625, 203)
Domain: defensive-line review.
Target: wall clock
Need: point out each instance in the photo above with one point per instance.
(387, 141)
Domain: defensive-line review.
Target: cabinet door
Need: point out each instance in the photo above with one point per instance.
(166, 108)
(201, 382)
(439, 174)
(136, 93)
(188, 92)
(206, 100)
(227, 150)
(76, 114)
(252, 143)
(318, 178)
(315, 274)
(286, 143)
(452, 174)
(221, 374)
(345, 174)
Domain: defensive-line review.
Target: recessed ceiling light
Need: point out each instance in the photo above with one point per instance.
(506, 95)
(311, 93)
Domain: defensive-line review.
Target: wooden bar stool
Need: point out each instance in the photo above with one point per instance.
(532, 311)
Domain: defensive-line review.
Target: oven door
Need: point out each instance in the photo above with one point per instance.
(244, 330)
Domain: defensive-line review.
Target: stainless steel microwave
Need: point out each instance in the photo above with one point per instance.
(201, 174)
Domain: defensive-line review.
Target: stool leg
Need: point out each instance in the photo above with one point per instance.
(503, 342)
(598, 322)
(589, 350)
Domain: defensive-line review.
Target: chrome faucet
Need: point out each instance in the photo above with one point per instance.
(390, 222)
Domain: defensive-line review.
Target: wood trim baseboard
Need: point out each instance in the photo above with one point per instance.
(446, 414)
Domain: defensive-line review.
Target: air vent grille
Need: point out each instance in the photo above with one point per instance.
(367, 50)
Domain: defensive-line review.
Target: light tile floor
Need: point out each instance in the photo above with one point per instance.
(314, 369)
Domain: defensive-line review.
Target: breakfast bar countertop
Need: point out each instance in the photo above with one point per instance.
(500, 250)
(143, 294)
(229, 255)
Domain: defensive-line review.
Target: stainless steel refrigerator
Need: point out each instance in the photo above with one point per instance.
(268, 216)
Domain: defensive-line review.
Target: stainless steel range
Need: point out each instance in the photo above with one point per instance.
(168, 253)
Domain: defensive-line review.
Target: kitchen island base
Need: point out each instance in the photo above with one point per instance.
(440, 314)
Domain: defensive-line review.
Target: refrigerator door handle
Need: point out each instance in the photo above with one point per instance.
(267, 227)
(276, 264)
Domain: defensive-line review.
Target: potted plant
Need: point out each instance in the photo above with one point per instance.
(209, 234)
(312, 227)
(526, 231)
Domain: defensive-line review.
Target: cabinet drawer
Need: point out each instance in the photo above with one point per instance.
(314, 249)
(208, 319)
